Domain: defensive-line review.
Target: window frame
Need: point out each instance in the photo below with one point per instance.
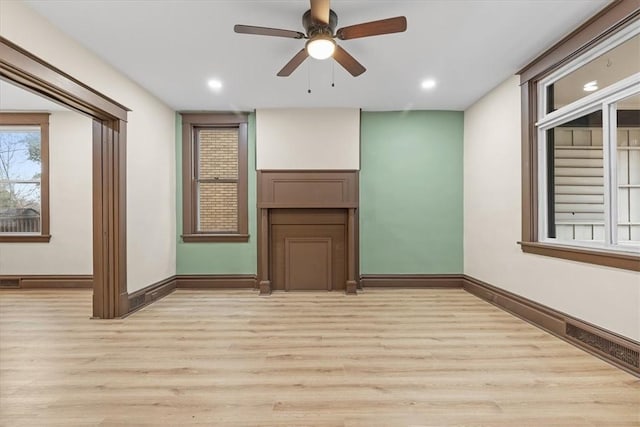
(191, 124)
(42, 121)
(579, 45)
(604, 101)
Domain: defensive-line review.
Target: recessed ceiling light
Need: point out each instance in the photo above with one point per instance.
(591, 86)
(214, 84)
(428, 84)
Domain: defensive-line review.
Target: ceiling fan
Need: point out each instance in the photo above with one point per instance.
(320, 23)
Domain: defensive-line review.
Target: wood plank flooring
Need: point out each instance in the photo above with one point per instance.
(230, 358)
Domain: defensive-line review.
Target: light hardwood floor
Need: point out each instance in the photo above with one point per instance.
(231, 358)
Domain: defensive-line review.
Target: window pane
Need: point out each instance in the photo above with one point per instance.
(218, 153)
(218, 206)
(628, 165)
(20, 169)
(611, 67)
(575, 177)
(20, 153)
(19, 208)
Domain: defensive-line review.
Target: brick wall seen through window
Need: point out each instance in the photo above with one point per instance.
(218, 179)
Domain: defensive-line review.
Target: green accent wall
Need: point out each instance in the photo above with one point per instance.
(411, 195)
(411, 200)
(218, 258)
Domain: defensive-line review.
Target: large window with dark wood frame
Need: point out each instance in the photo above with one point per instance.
(581, 144)
(214, 149)
(24, 178)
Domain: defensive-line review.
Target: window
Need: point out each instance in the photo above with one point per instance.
(581, 144)
(214, 150)
(24, 180)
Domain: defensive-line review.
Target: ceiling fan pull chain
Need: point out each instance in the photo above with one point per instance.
(333, 74)
(308, 77)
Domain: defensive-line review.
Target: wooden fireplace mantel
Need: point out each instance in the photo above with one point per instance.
(310, 189)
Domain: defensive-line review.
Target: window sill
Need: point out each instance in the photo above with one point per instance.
(30, 238)
(209, 238)
(626, 261)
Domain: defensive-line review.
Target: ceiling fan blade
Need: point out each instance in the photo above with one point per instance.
(265, 31)
(373, 28)
(320, 10)
(293, 64)
(348, 62)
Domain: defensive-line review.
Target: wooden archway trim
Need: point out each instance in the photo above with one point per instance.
(109, 167)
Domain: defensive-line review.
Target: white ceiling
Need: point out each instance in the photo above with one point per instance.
(173, 48)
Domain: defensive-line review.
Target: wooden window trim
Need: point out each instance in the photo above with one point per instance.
(190, 121)
(42, 121)
(608, 21)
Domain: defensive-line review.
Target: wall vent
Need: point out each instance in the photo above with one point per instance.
(622, 354)
(9, 283)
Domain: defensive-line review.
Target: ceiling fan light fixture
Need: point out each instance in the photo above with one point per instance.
(214, 84)
(321, 47)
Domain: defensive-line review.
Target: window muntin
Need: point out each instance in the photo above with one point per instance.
(24, 206)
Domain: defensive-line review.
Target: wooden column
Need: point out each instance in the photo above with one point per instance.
(352, 284)
(263, 248)
(109, 219)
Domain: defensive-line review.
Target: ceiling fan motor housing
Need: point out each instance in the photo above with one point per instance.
(313, 27)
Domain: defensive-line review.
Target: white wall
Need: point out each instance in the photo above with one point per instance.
(314, 138)
(69, 251)
(607, 297)
(151, 236)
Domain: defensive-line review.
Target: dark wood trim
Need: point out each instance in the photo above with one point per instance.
(28, 238)
(411, 280)
(149, 294)
(42, 121)
(191, 121)
(109, 219)
(29, 71)
(556, 323)
(208, 238)
(49, 281)
(591, 256)
(352, 283)
(610, 19)
(211, 118)
(27, 119)
(216, 281)
(529, 163)
(616, 16)
(282, 189)
(152, 293)
(526, 309)
(243, 179)
(264, 273)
